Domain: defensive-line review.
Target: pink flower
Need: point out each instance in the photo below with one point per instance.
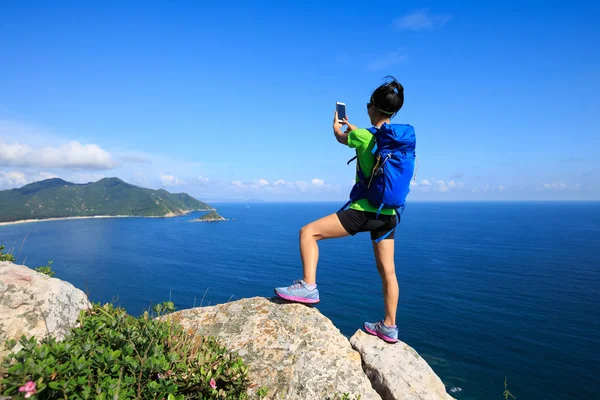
(213, 384)
(28, 388)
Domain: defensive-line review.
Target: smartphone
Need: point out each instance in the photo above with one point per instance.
(341, 110)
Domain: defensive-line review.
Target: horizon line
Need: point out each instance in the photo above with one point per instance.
(414, 201)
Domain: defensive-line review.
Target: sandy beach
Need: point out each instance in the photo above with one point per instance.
(26, 221)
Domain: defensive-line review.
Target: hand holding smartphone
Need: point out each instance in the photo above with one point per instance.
(341, 111)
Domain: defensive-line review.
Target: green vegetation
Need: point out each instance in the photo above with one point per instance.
(262, 392)
(345, 396)
(56, 198)
(211, 216)
(114, 355)
(6, 256)
(46, 269)
(507, 394)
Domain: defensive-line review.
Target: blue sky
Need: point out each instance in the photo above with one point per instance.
(235, 101)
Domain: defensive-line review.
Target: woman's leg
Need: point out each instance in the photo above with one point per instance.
(384, 257)
(325, 228)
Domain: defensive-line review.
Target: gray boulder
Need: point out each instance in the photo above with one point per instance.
(290, 348)
(397, 371)
(33, 304)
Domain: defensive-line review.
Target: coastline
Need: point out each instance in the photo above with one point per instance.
(27, 221)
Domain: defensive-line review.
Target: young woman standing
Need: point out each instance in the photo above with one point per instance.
(360, 216)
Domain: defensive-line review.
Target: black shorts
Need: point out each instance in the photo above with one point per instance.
(355, 221)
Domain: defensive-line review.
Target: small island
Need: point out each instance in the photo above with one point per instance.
(212, 216)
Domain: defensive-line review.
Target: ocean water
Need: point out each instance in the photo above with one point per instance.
(487, 290)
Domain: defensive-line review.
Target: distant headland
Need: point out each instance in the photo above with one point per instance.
(53, 199)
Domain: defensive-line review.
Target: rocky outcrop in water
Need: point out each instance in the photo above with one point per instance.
(212, 216)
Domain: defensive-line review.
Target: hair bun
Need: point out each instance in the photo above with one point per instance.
(395, 85)
(389, 97)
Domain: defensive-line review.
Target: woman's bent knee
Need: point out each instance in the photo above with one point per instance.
(306, 231)
(309, 231)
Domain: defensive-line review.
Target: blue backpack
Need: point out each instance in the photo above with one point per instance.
(389, 182)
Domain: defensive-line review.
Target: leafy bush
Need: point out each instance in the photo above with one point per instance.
(46, 269)
(6, 256)
(114, 355)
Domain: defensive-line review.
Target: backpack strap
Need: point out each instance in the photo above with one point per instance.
(346, 206)
(362, 179)
(379, 211)
(359, 170)
(399, 211)
(373, 131)
(386, 235)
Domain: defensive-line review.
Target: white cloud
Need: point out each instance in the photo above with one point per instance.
(428, 186)
(69, 155)
(318, 182)
(44, 175)
(421, 20)
(282, 187)
(488, 188)
(169, 180)
(441, 186)
(283, 183)
(302, 186)
(14, 179)
(203, 179)
(413, 183)
(555, 186)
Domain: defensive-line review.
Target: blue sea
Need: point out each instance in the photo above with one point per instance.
(487, 290)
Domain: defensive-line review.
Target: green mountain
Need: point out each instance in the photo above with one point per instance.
(55, 198)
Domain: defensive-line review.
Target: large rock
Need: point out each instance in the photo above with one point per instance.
(397, 371)
(33, 304)
(290, 348)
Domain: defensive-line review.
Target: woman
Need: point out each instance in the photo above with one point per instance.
(360, 216)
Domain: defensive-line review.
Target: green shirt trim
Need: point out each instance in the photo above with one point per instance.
(363, 141)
